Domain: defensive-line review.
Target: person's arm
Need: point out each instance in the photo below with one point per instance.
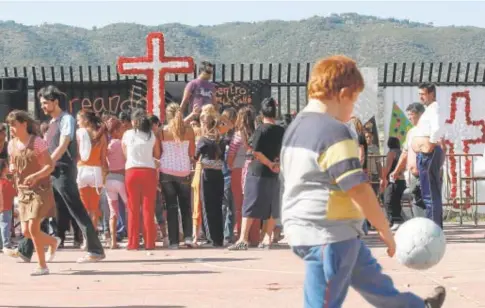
(187, 95)
(195, 112)
(234, 146)
(390, 157)
(44, 160)
(401, 164)
(191, 137)
(365, 199)
(156, 148)
(199, 148)
(341, 162)
(104, 155)
(67, 128)
(123, 143)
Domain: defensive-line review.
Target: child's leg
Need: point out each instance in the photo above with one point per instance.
(378, 289)
(5, 226)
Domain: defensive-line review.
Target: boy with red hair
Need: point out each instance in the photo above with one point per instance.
(327, 196)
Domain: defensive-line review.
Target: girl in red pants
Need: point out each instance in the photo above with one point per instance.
(141, 148)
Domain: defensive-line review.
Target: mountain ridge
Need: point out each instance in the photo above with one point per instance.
(371, 40)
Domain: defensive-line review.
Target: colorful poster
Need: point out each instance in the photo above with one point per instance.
(399, 125)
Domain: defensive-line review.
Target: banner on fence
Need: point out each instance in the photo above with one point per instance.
(116, 96)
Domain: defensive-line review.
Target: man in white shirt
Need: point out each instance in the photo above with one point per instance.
(408, 161)
(427, 143)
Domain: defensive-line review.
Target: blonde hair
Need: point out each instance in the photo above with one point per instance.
(245, 123)
(210, 128)
(176, 125)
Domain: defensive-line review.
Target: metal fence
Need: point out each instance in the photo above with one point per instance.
(288, 81)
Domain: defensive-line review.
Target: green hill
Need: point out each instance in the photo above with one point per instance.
(370, 40)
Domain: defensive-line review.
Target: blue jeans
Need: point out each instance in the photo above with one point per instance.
(5, 228)
(429, 166)
(332, 268)
(228, 210)
(121, 221)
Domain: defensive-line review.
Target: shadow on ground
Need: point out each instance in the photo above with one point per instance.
(169, 260)
(141, 306)
(124, 273)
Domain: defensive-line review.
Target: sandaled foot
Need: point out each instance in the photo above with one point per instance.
(264, 246)
(51, 252)
(436, 299)
(91, 258)
(114, 246)
(40, 272)
(238, 246)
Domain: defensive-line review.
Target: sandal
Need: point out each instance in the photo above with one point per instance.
(238, 246)
(264, 246)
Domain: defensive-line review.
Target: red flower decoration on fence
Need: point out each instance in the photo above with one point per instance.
(466, 145)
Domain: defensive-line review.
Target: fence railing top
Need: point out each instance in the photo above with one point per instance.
(279, 74)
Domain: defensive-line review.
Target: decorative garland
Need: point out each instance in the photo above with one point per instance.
(154, 65)
(466, 145)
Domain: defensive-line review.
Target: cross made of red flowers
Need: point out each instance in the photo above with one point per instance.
(466, 144)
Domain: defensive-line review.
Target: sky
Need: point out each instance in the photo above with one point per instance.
(88, 13)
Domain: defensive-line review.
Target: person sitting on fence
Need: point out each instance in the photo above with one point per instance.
(200, 91)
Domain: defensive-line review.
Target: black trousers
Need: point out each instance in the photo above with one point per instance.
(212, 188)
(65, 221)
(176, 191)
(67, 195)
(392, 200)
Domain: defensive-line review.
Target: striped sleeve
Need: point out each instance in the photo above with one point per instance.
(341, 162)
(235, 144)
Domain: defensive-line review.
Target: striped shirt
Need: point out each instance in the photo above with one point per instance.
(319, 164)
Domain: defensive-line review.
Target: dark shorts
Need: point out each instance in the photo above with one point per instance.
(261, 197)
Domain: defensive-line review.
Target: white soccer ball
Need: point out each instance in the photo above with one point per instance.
(420, 243)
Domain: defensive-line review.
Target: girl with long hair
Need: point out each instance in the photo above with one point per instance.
(31, 165)
(92, 165)
(236, 158)
(210, 152)
(178, 149)
(223, 125)
(115, 180)
(141, 149)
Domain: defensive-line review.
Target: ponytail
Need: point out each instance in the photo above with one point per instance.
(176, 123)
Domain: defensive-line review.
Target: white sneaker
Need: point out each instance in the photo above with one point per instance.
(49, 257)
(40, 272)
(173, 246)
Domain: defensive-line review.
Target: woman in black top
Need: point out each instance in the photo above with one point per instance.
(261, 191)
(393, 188)
(210, 150)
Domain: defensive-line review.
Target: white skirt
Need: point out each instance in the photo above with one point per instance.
(89, 176)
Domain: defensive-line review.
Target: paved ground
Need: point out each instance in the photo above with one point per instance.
(218, 278)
